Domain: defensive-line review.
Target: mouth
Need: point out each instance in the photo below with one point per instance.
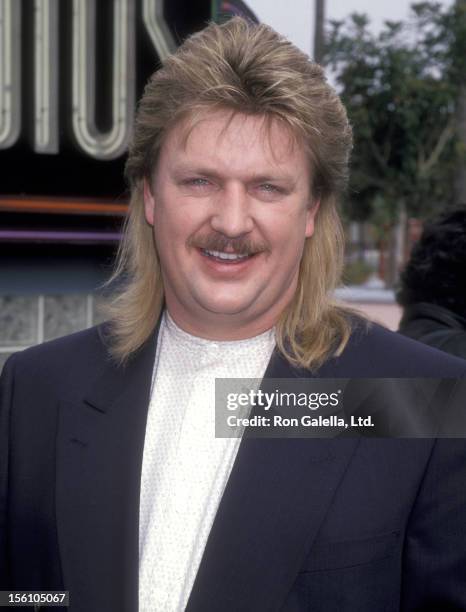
(227, 258)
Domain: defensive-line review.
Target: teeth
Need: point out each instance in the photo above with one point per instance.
(226, 256)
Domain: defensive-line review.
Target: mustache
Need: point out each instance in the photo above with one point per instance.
(241, 245)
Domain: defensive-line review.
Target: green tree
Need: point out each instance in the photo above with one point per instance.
(405, 91)
(402, 108)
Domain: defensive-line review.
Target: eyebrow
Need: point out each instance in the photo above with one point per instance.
(255, 177)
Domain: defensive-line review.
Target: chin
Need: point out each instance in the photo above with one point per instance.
(224, 307)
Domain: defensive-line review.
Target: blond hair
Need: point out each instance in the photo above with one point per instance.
(249, 69)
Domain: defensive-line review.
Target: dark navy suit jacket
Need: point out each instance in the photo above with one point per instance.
(341, 524)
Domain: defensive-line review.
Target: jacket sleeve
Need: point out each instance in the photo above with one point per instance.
(434, 559)
(6, 398)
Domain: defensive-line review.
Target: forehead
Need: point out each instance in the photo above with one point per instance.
(237, 137)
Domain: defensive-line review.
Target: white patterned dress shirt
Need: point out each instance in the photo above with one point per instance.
(185, 468)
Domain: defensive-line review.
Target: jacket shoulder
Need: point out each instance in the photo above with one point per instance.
(64, 362)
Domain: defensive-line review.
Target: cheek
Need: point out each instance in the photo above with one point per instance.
(293, 239)
(176, 224)
(287, 230)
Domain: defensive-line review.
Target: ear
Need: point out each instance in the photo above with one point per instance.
(149, 203)
(310, 217)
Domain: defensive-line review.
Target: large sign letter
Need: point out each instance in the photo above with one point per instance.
(113, 143)
(162, 39)
(10, 72)
(46, 76)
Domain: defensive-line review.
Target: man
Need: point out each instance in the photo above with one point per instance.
(116, 487)
(435, 313)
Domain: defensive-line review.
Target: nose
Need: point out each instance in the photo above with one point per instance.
(232, 215)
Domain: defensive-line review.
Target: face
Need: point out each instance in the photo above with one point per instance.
(231, 209)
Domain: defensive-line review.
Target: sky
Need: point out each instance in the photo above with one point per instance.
(378, 10)
(298, 24)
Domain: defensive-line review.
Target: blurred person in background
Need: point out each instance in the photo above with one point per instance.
(433, 285)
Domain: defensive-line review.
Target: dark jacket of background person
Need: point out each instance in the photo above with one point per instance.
(433, 285)
(436, 326)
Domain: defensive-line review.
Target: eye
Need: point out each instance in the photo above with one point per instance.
(269, 188)
(270, 192)
(196, 186)
(196, 182)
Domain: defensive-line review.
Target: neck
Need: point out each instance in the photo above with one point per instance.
(220, 327)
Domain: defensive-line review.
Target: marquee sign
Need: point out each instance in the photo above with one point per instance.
(71, 72)
(91, 140)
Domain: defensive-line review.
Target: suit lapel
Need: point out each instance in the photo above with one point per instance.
(99, 459)
(275, 500)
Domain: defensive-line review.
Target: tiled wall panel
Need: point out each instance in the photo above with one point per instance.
(29, 320)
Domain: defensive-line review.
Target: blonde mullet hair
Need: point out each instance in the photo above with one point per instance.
(313, 327)
(249, 69)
